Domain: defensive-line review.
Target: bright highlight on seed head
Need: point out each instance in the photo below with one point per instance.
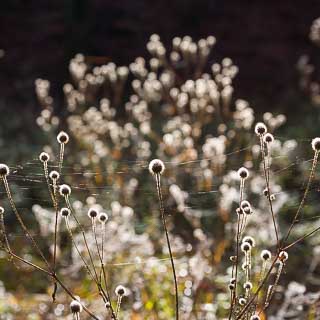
(4, 170)
(156, 166)
(63, 137)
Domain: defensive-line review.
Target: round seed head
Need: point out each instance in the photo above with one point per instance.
(249, 240)
(233, 259)
(92, 213)
(156, 166)
(232, 281)
(4, 170)
(245, 247)
(63, 137)
(64, 190)
(103, 217)
(265, 255)
(255, 317)
(243, 173)
(75, 307)
(120, 291)
(242, 301)
(247, 285)
(231, 286)
(247, 210)
(245, 204)
(1, 210)
(44, 157)
(65, 212)
(54, 175)
(260, 129)
(315, 144)
(283, 256)
(268, 138)
(265, 192)
(239, 211)
(107, 305)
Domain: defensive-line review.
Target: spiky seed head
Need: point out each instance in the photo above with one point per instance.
(260, 129)
(283, 256)
(44, 157)
(156, 166)
(54, 175)
(120, 291)
(103, 217)
(255, 317)
(65, 212)
(247, 285)
(265, 255)
(1, 210)
(242, 301)
(75, 307)
(4, 170)
(92, 213)
(268, 138)
(316, 144)
(63, 137)
(245, 247)
(250, 240)
(243, 173)
(64, 190)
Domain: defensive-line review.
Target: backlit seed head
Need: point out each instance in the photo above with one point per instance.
(103, 217)
(255, 317)
(107, 305)
(44, 157)
(245, 204)
(156, 166)
(233, 259)
(247, 285)
(64, 190)
(75, 307)
(65, 212)
(231, 286)
(268, 138)
(242, 301)
(54, 175)
(92, 213)
(63, 137)
(247, 210)
(232, 281)
(245, 247)
(1, 210)
(265, 192)
(120, 291)
(316, 144)
(243, 173)
(4, 170)
(283, 256)
(249, 240)
(265, 255)
(260, 129)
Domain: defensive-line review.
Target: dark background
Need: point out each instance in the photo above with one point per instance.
(264, 38)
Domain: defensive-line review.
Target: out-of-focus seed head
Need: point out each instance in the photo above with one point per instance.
(283, 256)
(120, 291)
(63, 137)
(260, 129)
(54, 175)
(250, 240)
(255, 317)
(316, 144)
(1, 210)
(103, 217)
(44, 157)
(245, 204)
(156, 166)
(265, 255)
(247, 285)
(4, 170)
(243, 173)
(64, 190)
(65, 212)
(242, 301)
(231, 286)
(92, 213)
(75, 307)
(268, 138)
(245, 247)
(107, 305)
(265, 192)
(233, 259)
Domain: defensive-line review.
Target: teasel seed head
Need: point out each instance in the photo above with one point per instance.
(265, 255)
(156, 166)
(65, 212)
(120, 291)
(75, 307)
(44, 157)
(63, 137)
(260, 129)
(64, 190)
(54, 175)
(243, 173)
(4, 170)
(316, 144)
(268, 138)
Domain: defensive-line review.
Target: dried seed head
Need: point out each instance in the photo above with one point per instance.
(232, 281)
(247, 210)
(239, 211)
(103, 217)
(75, 307)
(265, 192)
(107, 305)
(120, 291)
(242, 301)
(265, 255)
(245, 247)
(255, 317)
(4, 170)
(272, 197)
(247, 285)
(231, 286)
(249, 240)
(268, 138)
(65, 212)
(283, 256)
(260, 129)
(92, 213)
(244, 266)
(156, 166)
(1, 210)
(233, 259)
(316, 144)
(243, 173)
(64, 190)
(63, 137)
(54, 175)
(44, 157)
